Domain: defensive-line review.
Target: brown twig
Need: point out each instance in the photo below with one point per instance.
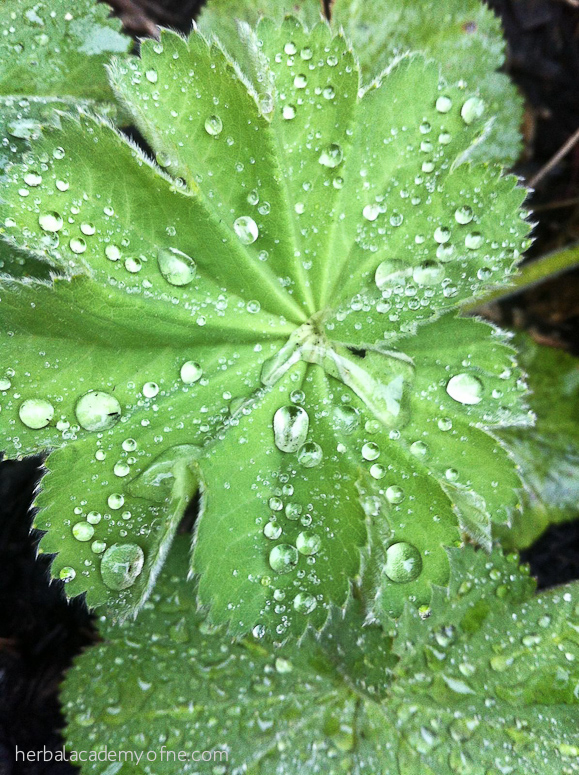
(553, 161)
(134, 18)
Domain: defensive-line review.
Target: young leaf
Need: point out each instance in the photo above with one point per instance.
(548, 455)
(486, 684)
(52, 57)
(465, 37)
(264, 314)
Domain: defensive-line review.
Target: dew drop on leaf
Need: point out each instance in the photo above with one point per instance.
(246, 229)
(293, 511)
(300, 81)
(310, 454)
(51, 221)
(371, 212)
(389, 272)
(428, 273)
(472, 109)
(442, 234)
(346, 419)
(77, 245)
(67, 574)
(97, 411)
(443, 104)
(94, 517)
(112, 252)
(464, 214)
(36, 413)
(290, 427)
(283, 558)
(272, 530)
(213, 125)
(474, 240)
(191, 372)
(403, 563)
(331, 156)
(121, 564)
(129, 445)
(121, 469)
(88, 229)
(288, 112)
(176, 267)
(150, 389)
(394, 494)
(370, 451)
(83, 531)
(465, 388)
(304, 604)
(5, 384)
(151, 76)
(116, 501)
(308, 543)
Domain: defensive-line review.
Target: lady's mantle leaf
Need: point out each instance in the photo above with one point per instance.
(548, 455)
(52, 57)
(463, 35)
(487, 684)
(261, 313)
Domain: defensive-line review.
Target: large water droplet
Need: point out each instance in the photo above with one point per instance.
(97, 411)
(67, 574)
(331, 156)
(308, 543)
(443, 104)
(191, 372)
(346, 419)
(83, 531)
(465, 388)
(176, 267)
(51, 221)
(272, 530)
(36, 413)
(472, 109)
(121, 565)
(246, 229)
(370, 451)
(283, 558)
(428, 273)
(390, 272)
(394, 494)
(310, 454)
(474, 240)
(213, 125)
(403, 563)
(464, 214)
(304, 604)
(150, 389)
(290, 427)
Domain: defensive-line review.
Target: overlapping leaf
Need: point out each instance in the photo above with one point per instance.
(266, 311)
(548, 455)
(487, 683)
(52, 57)
(465, 37)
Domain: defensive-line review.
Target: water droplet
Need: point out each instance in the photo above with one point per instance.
(290, 427)
(253, 307)
(308, 543)
(283, 558)
(394, 494)
(129, 445)
(283, 665)
(451, 474)
(77, 245)
(5, 384)
(310, 454)
(83, 531)
(464, 215)
(272, 530)
(419, 449)
(465, 388)
(445, 424)
(403, 563)
(304, 604)
(116, 501)
(290, 48)
(370, 451)
(112, 252)
(133, 265)
(246, 229)
(472, 109)
(97, 411)
(121, 469)
(297, 396)
(288, 112)
(176, 267)
(51, 221)
(300, 81)
(67, 574)
(474, 240)
(377, 471)
(346, 419)
(258, 631)
(443, 104)
(98, 547)
(151, 76)
(36, 413)
(32, 179)
(121, 565)
(88, 229)
(371, 212)
(94, 517)
(213, 125)
(442, 234)
(275, 503)
(390, 272)
(150, 389)
(331, 156)
(293, 511)
(306, 53)
(428, 273)
(191, 372)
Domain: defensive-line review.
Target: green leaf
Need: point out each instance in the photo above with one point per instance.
(486, 684)
(52, 58)
(548, 454)
(465, 37)
(331, 408)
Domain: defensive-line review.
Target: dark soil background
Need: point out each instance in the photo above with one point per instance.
(40, 632)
